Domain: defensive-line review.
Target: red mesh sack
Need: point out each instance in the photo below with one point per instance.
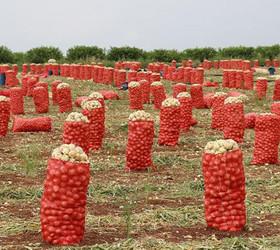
(76, 131)
(140, 141)
(218, 111)
(276, 92)
(4, 115)
(80, 99)
(17, 101)
(266, 139)
(225, 79)
(178, 88)
(193, 121)
(38, 124)
(5, 92)
(64, 98)
(169, 128)
(248, 76)
(234, 121)
(275, 108)
(224, 186)
(145, 87)
(232, 79)
(196, 92)
(11, 78)
(95, 114)
(109, 95)
(30, 85)
(24, 86)
(135, 95)
(185, 111)
(158, 94)
(63, 203)
(239, 79)
(250, 120)
(261, 88)
(41, 100)
(208, 100)
(54, 91)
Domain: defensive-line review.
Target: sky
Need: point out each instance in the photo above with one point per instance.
(146, 24)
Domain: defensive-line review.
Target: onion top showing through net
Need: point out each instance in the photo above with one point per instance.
(133, 84)
(70, 152)
(140, 115)
(96, 95)
(170, 102)
(63, 85)
(76, 117)
(156, 84)
(183, 94)
(221, 146)
(4, 98)
(90, 105)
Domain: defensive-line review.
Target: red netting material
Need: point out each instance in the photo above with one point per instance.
(208, 100)
(41, 100)
(96, 119)
(275, 108)
(63, 204)
(109, 95)
(218, 112)
(266, 139)
(169, 128)
(54, 91)
(80, 99)
(234, 122)
(178, 88)
(196, 92)
(261, 88)
(224, 195)
(76, 133)
(64, 98)
(17, 101)
(30, 85)
(250, 120)
(37, 124)
(139, 145)
(145, 86)
(185, 113)
(158, 94)
(135, 98)
(276, 92)
(248, 79)
(4, 117)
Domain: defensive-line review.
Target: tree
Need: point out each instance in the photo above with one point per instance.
(43, 54)
(84, 52)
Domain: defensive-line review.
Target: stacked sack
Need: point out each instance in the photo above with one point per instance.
(178, 88)
(145, 87)
(196, 92)
(218, 110)
(276, 92)
(135, 95)
(266, 139)
(158, 94)
(234, 122)
(140, 141)
(224, 185)
(64, 97)
(41, 99)
(63, 204)
(170, 122)
(261, 87)
(17, 101)
(185, 111)
(4, 115)
(94, 111)
(76, 130)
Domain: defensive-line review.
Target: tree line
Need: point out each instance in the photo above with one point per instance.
(94, 53)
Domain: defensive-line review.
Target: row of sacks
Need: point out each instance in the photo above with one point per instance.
(228, 116)
(64, 198)
(143, 92)
(238, 79)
